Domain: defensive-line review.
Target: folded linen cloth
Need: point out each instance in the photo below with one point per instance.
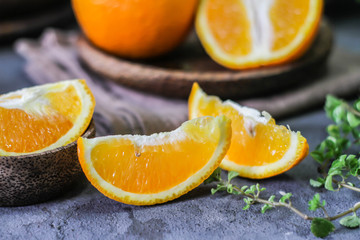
(120, 110)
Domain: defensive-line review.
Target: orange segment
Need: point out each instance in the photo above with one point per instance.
(259, 148)
(230, 27)
(242, 34)
(44, 117)
(144, 170)
(287, 18)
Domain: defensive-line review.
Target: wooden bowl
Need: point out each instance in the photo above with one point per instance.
(34, 178)
(173, 75)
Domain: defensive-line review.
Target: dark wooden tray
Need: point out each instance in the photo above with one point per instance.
(174, 74)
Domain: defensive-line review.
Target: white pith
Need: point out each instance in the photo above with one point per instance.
(155, 139)
(262, 35)
(33, 102)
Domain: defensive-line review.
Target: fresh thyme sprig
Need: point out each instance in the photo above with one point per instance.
(320, 227)
(335, 166)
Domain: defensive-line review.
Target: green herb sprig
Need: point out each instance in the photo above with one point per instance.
(335, 166)
(320, 227)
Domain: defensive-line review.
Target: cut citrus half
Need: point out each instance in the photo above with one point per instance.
(44, 117)
(146, 170)
(259, 148)
(242, 34)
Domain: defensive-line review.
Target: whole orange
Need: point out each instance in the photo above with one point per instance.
(135, 28)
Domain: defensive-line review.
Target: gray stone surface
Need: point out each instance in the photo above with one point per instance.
(84, 213)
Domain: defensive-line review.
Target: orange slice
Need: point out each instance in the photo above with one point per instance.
(242, 34)
(259, 148)
(44, 117)
(145, 170)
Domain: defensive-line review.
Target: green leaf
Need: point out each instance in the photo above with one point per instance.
(248, 202)
(285, 198)
(246, 207)
(214, 177)
(265, 207)
(356, 133)
(350, 221)
(357, 105)
(353, 164)
(230, 188)
(329, 183)
(338, 113)
(321, 227)
(243, 188)
(353, 120)
(315, 203)
(251, 190)
(330, 142)
(271, 198)
(219, 187)
(333, 130)
(330, 105)
(236, 192)
(317, 156)
(232, 174)
(319, 182)
(346, 128)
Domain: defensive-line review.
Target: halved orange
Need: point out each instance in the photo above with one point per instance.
(145, 170)
(259, 148)
(44, 117)
(242, 34)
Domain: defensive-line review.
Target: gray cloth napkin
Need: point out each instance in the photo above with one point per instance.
(120, 110)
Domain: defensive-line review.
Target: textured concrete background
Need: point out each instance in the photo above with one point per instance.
(84, 213)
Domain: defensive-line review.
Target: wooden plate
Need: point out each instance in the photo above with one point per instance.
(174, 74)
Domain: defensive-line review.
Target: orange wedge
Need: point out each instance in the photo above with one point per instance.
(146, 170)
(242, 34)
(44, 117)
(259, 148)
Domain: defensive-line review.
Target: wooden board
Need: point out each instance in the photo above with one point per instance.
(174, 74)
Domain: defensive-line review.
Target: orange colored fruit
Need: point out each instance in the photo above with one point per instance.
(145, 170)
(242, 34)
(44, 117)
(259, 148)
(135, 29)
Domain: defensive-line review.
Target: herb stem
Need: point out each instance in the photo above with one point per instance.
(293, 209)
(275, 204)
(325, 212)
(345, 185)
(353, 209)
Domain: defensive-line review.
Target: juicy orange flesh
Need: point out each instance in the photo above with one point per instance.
(229, 23)
(251, 144)
(287, 17)
(150, 169)
(24, 131)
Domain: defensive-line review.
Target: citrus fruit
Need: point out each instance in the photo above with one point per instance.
(259, 148)
(242, 34)
(44, 117)
(145, 170)
(135, 29)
